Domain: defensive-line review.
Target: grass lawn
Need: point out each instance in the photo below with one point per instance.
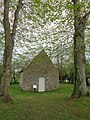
(53, 105)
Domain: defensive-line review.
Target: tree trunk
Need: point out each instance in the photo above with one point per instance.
(9, 44)
(80, 87)
(7, 53)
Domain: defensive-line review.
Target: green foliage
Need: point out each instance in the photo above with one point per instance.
(1, 72)
(53, 105)
(87, 69)
(41, 14)
(15, 77)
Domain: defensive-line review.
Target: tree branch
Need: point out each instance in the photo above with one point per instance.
(16, 15)
(6, 23)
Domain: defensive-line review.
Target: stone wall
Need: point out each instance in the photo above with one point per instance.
(41, 66)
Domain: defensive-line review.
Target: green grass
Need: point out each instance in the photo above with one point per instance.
(53, 105)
